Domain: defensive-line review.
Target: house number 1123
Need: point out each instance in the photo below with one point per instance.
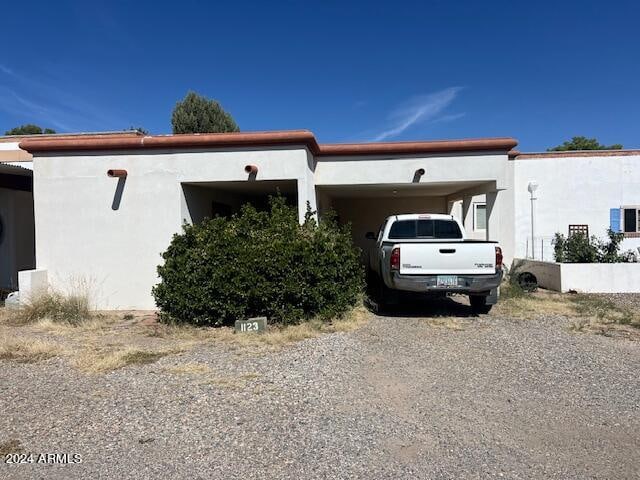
(258, 324)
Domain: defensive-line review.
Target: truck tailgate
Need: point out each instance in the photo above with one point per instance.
(443, 258)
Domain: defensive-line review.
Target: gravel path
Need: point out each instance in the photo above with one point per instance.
(622, 300)
(403, 397)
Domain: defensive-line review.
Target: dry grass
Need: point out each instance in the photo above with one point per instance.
(589, 313)
(27, 350)
(101, 360)
(450, 323)
(107, 342)
(275, 337)
(94, 325)
(531, 304)
(72, 308)
(190, 369)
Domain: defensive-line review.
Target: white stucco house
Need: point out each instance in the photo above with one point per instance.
(105, 207)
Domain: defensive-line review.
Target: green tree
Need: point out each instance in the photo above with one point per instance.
(29, 129)
(198, 114)
(583, 143)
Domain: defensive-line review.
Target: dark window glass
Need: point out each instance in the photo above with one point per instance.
(425, 229)
(447, 229)
(403, 229)
(630, 220)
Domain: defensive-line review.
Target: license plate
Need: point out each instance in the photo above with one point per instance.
(447, 281)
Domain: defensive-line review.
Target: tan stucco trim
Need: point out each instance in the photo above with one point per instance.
(15, 156)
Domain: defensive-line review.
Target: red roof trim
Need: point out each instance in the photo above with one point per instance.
(396, 148)
(290, 137)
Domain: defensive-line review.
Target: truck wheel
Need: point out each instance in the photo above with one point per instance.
(479, 304)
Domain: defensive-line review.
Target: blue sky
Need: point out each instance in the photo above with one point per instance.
(349, 71)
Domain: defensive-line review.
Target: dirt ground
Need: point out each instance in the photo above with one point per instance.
(535, 389)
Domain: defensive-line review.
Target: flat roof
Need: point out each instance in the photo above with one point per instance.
(10, 151)
(258, 139)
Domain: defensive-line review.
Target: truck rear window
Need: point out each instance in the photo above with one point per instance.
(404, 229)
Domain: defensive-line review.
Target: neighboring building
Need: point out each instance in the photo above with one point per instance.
(17, 244)
(109, 231)
(17, 237)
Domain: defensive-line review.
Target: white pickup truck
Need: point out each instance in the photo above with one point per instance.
(429, 254)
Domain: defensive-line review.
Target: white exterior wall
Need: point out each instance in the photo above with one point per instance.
(585, 277)
(80, 237)
(573, 190)
(400, 169)
(463, 168)
(464, 211)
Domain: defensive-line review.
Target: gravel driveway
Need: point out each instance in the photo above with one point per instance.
(403, 397)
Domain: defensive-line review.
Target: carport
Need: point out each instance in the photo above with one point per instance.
(366, 206)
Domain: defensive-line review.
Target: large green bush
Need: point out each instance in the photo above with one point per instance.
(578, 248)
(259, 263)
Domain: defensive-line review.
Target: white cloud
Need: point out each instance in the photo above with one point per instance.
(420, 109)
(6, 70)
(41, 102)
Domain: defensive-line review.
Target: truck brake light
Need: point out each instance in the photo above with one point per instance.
(498, 257)
(395, 259)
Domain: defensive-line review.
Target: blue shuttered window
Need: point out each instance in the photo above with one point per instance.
(614, 219)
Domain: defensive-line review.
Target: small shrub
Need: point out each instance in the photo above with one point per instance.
(578, 248)
(559, 242)
(59, 307)
(259, 263)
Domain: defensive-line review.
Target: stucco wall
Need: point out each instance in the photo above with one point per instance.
(80, 236)
(600, 277)
(465, 214)
(573, 190)
(459, 167)
(584, 277)
(367, 214)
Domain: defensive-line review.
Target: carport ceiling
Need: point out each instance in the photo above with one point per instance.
(440, 189)
(251, 187)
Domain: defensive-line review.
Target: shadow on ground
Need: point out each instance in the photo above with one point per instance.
(415, 306)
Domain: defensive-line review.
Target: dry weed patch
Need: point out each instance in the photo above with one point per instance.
(27, 350)
(10, 446)
(101, 360)
(190, 369)
(450, 323)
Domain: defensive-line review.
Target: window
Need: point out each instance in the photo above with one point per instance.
(479, 216)
(403, 229)
(425, 229)
(579, 229)
(631, 219)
